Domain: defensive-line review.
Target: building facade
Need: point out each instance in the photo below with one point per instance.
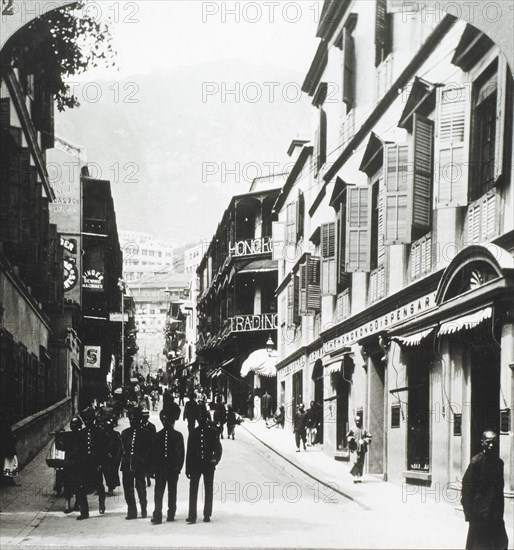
(236, 304)
(394, 237)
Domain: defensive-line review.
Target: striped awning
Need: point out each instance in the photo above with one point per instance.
(465, 322)
(414, 339)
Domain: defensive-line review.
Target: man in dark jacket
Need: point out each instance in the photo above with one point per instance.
(300, 427)
(191, 412)
(220, 414)
(482, 497)
(91, 455)
(203, 454)
(266, 405)
(167, 461)
(147, 425)
(135, 444)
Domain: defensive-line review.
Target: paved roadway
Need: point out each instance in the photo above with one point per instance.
(260, 501)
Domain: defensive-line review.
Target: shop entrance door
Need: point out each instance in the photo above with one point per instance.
(343, 391)
(485, 394)
(297, 390)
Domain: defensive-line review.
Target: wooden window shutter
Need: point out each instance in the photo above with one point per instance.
(397, 224)
(452, 146)
(296, 300)
(303, 289)
(348, 69)
(313, 284)
(422, 164)
(503, 92)
(382, 32)
(300, 216)
(357, 257)
(278, 231)
(291, 223)
(328, 243)
(380, 224)
(328, 277)
(343, 277)
(290, 304)
(321, 140)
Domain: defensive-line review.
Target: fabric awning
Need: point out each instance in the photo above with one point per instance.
(261, 362)
(466, 322)
(260, 266)
(414, 339)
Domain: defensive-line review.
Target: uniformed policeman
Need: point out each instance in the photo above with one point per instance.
(135, 443)
(167, 460)
(203, 454)
(92, 447)
(145, 423)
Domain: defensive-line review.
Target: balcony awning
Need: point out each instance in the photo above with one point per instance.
(414, 339)
(261, 362)
(260, 266)
(465, 322)
(335, 367)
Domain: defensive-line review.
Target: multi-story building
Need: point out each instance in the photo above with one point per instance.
(395, 284)
(236, 305)
(101, 294)
(144, 255)
(152, 295)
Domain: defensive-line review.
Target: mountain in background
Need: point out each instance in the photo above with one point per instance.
(159, 141)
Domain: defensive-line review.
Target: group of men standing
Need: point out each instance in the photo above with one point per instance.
(95, 451)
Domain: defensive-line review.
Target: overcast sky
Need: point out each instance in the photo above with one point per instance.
(152, 33)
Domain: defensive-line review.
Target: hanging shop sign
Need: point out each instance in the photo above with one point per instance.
(249, 247)
(71, 274)
(249, 323)
(385, 322)
(70, 245)
(92, 357)
(93, 280)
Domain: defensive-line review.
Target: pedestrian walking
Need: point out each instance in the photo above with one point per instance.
(71, 475)
(358, 440)
(300, 427)
(113, 458)
(135, 443)
(482, 497)
(312, 423)
(191, 412)
(233, 419)
(167, 460)
(92, 448)
(220, 415)
(155, 398)
(266, 405)
(203, 455)
(147, 425)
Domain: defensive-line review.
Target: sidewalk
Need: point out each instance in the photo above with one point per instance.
(431, 513)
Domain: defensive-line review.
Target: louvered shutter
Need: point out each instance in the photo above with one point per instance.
(291, 223)
(328, 236)
(278, 231)
(397, 224)
(296, 300)
(380, 223)
(290, 304)
(481, 219)
(452, 146)
(348, 69)
(341, 244)
(357, 255)
(300, 216)
(502, 93)
(303, 289)
(422, 164)
(313, 284)
(321, 140)
(382, 32)
(329, 263)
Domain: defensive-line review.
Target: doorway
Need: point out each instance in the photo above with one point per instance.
(343, 393)
(297, 390)
(317, 378)
(376, 413)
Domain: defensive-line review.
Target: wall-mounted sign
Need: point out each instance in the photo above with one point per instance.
(118, 318)
(292, 367)
(248, 323)
(92, 357)
(70, 245)
(71, 274)
(93, 280)
(251, 246)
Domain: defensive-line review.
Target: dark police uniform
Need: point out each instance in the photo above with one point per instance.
(203, 454)
(167, 461)
(135, 444)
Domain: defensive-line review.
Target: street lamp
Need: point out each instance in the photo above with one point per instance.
(122, 287)
(270, 345)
